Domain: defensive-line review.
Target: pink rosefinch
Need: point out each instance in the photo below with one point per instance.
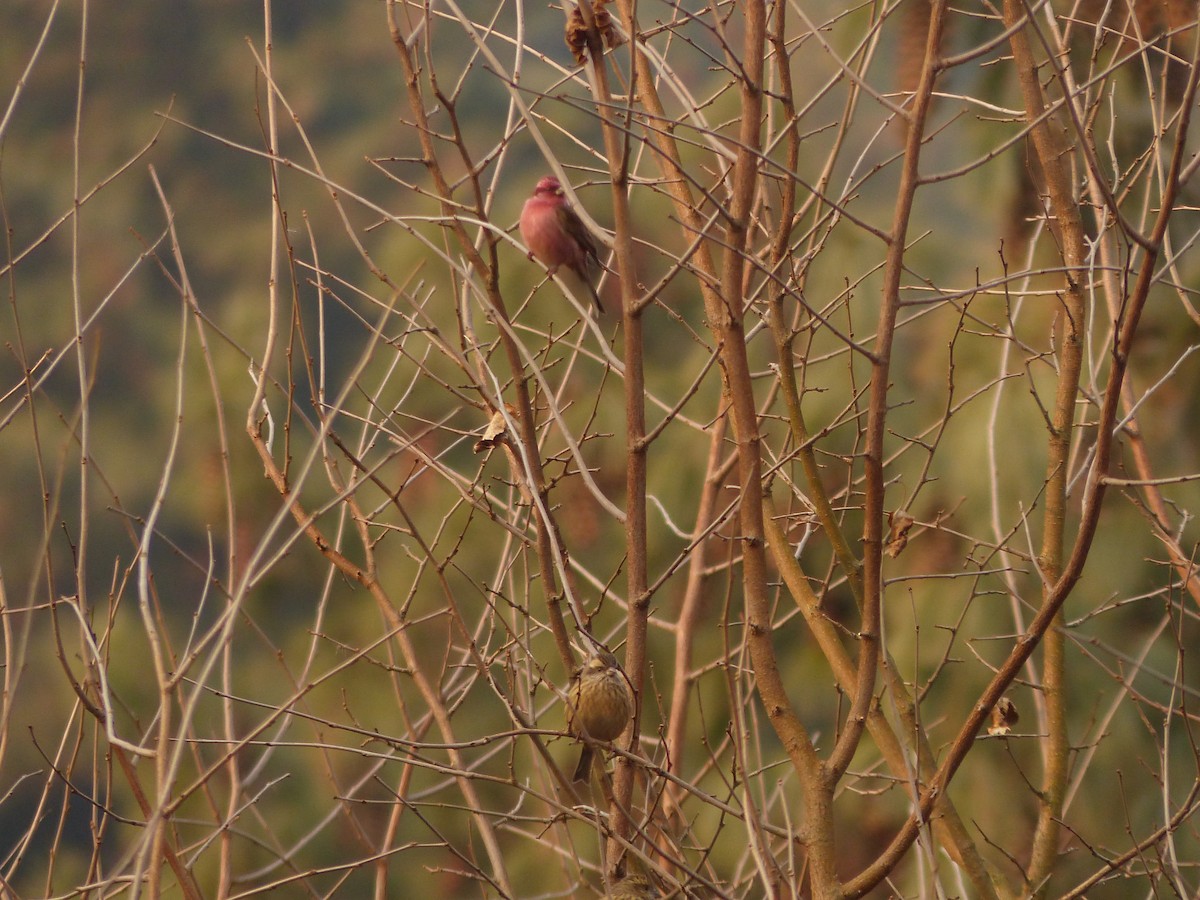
(556, 235)
(599, 704)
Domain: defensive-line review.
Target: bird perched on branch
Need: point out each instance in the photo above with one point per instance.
(599, 705)
(633, 887)
(556, 236)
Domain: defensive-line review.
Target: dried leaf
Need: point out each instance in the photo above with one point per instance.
(1004, 717)
(576, 33)
(496, 431)
(604, 24)
(576, 36)
(899, 522)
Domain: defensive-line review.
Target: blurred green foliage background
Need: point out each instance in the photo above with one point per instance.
(176, 87)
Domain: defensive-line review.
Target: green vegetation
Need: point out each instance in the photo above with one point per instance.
(277, 617)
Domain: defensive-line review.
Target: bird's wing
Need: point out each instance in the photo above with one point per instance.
(578, 232)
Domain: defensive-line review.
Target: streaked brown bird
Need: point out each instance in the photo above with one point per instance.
(599, 705)
(633, 887)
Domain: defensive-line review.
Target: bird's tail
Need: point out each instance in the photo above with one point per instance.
(583, 771)
(595, 296)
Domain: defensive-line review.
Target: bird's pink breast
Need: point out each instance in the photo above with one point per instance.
(542, 232)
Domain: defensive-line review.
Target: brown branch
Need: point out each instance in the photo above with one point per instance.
(615, 135)
(488, 276)
(676, 741)
(947, 823)
(876, 427)
(1089, 520)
